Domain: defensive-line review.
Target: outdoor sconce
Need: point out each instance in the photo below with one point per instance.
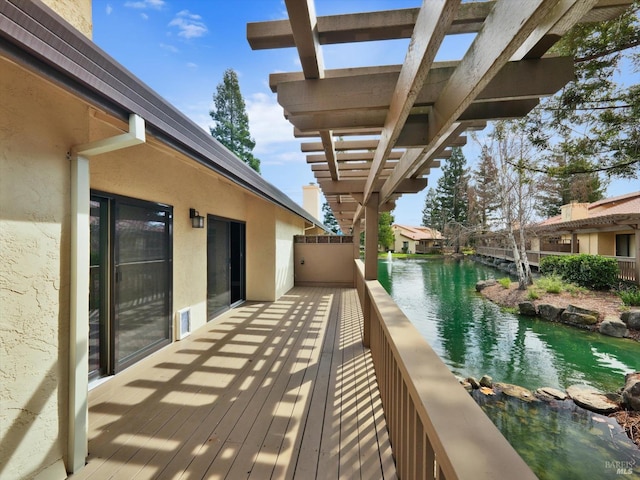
(197, 220)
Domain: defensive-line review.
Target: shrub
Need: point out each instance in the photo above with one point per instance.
(505, 282)
(550, 284)
(630, 297)
(532, 294)
(591, 271)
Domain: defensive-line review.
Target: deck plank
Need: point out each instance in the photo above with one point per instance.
(268, 390)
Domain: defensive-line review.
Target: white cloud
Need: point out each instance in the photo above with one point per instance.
(109, 9)
(144, 16)
(266, 122)
(143, 4)
(192, 65)
(189, 25)
(169, 48)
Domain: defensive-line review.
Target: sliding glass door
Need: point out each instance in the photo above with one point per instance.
(225, 264)
(130, 291)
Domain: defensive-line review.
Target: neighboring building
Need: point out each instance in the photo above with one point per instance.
(102, 183)
(606, 227)
(416, 239)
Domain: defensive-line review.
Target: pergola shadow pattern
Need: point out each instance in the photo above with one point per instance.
(268, 390)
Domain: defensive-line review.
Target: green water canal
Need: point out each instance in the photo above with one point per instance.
(474, 337)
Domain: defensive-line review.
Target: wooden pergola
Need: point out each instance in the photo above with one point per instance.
(379, 130)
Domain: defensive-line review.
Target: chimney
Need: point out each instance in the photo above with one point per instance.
(574, 211)
(77, 12)
(311, 199)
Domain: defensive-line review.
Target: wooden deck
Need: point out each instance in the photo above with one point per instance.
(268, 390)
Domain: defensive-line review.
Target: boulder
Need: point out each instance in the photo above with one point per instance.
(631, 391)
(592, 399)
(549, 393)
(528, 309)
(516, 391)
(482, 284)
(486, 381)
(631, 319)
(614, 327)
(473, 382)
(550, 312)
(583, 311)
(578, 318)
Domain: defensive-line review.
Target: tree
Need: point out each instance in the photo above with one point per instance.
(452, 197)
(329, 219)
(567, 187)
(231, 120)
(592, 124)
(486, 185)
(431, 216)
(385, 233)
(510, 151)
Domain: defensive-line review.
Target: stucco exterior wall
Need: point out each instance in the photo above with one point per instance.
(287, 226)
(607, 243)
(261, 254)
(76, 12)
(38, 124)
(324, 264)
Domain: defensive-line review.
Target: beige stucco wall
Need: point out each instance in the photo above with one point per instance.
(76, 12)
(287, 225)
(324, 264)
(38, 124)
(399, 239)
(607, 243)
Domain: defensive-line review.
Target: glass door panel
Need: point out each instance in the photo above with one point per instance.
(218, 267)
(142, 280)
(98, 266)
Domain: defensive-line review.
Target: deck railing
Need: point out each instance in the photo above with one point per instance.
(627, 265)
(435, 427)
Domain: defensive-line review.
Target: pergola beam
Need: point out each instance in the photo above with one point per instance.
(431, 25)
(348, 187)
(350, 157)
(506, 28)
(364, 93)
(363, 27)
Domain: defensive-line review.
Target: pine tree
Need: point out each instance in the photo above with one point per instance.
(329, 219)
(485, 191)
(452, 198)
(592, 123)
(231, 120)
(431, 216)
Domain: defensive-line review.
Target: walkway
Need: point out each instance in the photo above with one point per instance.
(268, 390)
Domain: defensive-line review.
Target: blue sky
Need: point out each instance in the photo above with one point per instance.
(181, 48)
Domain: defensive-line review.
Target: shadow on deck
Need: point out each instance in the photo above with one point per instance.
(268, 390)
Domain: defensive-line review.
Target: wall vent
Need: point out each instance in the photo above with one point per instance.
(183, 323)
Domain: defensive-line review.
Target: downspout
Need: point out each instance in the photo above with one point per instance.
(77, 447)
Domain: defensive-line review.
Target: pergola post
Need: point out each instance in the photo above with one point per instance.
(356, 240)
(371, 238)
(574, 243)
(370, 261)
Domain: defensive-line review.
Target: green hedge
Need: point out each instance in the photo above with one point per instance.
(590, 271)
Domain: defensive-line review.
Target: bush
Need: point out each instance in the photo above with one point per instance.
(590, 271)
(550, 284)
(532, 295)
(505, 282)
(630, 297)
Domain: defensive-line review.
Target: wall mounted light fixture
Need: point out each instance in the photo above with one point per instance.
(197, 220)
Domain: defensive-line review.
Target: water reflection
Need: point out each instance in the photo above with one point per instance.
(474, 337)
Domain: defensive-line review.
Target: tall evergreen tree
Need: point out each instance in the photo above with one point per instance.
(452, 198)
(329, 219)
(485, 180)
(231, 120)
(431, 216)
